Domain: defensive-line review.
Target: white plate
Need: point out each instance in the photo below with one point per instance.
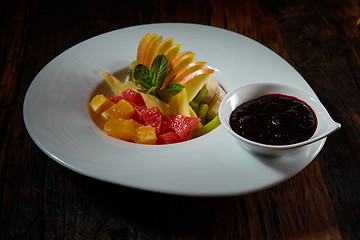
(56, 116)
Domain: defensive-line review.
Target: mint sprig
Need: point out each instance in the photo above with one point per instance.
(170, 91)
(152, 80)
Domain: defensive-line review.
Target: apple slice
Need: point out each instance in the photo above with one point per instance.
(141, 46)
(211, 85)
(190, 68)
(195, 81)
(177, 57)
(172, 52)
(177, 64)
(215, 103)
(164, 46)
(150, 50)
(145, 48)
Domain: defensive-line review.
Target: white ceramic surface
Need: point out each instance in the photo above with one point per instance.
(244, 93)
(56, 116)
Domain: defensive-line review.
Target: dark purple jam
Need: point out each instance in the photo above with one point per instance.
(274, 120)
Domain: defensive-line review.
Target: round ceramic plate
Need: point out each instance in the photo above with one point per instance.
(57, 118)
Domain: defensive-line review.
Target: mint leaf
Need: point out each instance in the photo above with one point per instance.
(170, 91)
(159, 69)
(142, 76)
(141, 71)
(152, 80)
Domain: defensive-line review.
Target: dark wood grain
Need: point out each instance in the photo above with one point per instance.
(39, 199)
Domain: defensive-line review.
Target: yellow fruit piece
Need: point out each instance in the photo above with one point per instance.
(100, 103)
(190, 68)
(141, 46)
(124, 129)
(153, 39)
(145, 135)
(152, 101)
(164, 46)
(122, 109)
(149, 57)
(172, 52)
(117, 86)
(178, 63)
(194, 115)
(195, 81)
(179, 104)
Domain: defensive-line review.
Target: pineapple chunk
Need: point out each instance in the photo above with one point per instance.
(179, 104)
(100, 103)
(152, 101)
(117, 86)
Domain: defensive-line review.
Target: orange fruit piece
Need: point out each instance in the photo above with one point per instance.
(124, 129)
(100, 103)
(145, 135)
(122, 109)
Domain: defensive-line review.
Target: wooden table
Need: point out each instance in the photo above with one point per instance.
(41, 199)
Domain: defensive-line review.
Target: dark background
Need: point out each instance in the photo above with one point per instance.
(40, 199)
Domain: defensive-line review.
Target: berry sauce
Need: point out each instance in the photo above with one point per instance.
(274, 119)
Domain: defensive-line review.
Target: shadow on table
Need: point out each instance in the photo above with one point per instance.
(140, 214)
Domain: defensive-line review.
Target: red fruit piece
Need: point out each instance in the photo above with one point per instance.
(138, 114)
(133, 97)
(115, 99)
(167, 138)
(182, 125)
(151, 117)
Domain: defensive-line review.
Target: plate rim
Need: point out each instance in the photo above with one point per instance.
(155, 189)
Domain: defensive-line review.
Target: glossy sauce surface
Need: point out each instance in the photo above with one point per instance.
(274, 120)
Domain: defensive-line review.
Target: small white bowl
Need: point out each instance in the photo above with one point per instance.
(325, 124)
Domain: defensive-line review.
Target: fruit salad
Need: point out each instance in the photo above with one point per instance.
(166, 97)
